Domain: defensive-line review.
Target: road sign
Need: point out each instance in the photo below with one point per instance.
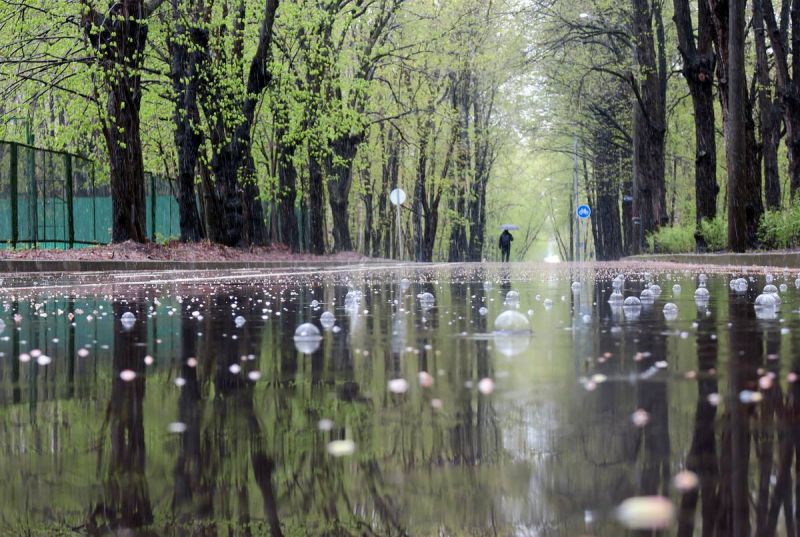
(397, 196)
(583, 211)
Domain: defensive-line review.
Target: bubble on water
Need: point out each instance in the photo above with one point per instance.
(701, 294)
(575, 287)
(646, 297)
(177, 427)
(148, 360)
(83, 353)
(191, 362)
(239, 321)
(640, 418)
(646, 513)
(618, 281)
(314, 303)
(616, 298)
(765, 301)
(180, 382)
(656, 289)
(670, 311)
(783, 288)
(341, 448)
(483, 311)
(702, 278)
(486, 386)
(128, 319)
(741, 285)
(587, 319)
(235, 368)
(127, 375)
(512, 322)
(24, 357)
(547, 303)
(487, 285)
(685, 481)
(327, 320)
(512, 298)
(43, 360)
(426, 300)
(325, 424)
(307, 331)
(398, 386)
(511, 345)
(676, 289)
(632, 302)
(254, 375)
(425, 379)
(405, 283)
(771, 289)
(769, 278)
(714, 399)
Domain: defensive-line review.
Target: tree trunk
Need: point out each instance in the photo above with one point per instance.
(316, 206)
(746, 201)
(119, 41)
(424, 128)
(608, 228)
(698, 70)
(287, 184)
(340, 168)
(185, 72)
(649, 124)
(737, 150)
(769, 112)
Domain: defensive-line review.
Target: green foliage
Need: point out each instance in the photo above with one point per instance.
(715, 233)
(671, 240)
(780, 229)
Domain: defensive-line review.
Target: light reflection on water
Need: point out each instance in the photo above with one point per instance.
(259, 434)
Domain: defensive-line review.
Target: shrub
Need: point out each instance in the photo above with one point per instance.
(780, 229)
(671, 240)
(715, 232)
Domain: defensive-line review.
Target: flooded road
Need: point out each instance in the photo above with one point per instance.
(153, 404)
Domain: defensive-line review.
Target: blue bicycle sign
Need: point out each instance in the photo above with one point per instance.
(583, 211)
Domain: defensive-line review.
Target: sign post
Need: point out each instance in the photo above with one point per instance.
(583, 212)
(398, 197)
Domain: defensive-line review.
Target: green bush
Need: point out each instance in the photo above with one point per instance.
(671, 240)
(715, 232)
(780, 229)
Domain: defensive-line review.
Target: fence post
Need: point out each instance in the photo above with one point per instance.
(14, 196)
(70, 201)
(153, 207)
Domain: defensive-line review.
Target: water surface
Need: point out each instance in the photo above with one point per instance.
(206, 417)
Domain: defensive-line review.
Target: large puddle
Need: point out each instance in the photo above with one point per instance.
(141, 405)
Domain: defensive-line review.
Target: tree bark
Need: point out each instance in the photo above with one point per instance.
(698, 70)
(316, 206)
(747, 200)
(232, 161)
(287, 184)
(770, 112)
(184, 71)
(119, 39)
(340, 168)
(649, 123)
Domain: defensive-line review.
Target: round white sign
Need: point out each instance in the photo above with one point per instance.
(397, 196)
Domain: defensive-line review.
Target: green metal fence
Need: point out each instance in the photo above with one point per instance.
(53, 199)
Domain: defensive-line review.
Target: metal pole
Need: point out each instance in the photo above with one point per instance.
(399, 236)
(70, 201)
(576, 246)
(14, 196)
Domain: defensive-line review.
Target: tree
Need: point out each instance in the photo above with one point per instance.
(698, 71)
(118, 38)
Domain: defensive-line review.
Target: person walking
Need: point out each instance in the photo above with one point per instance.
(505, 245)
